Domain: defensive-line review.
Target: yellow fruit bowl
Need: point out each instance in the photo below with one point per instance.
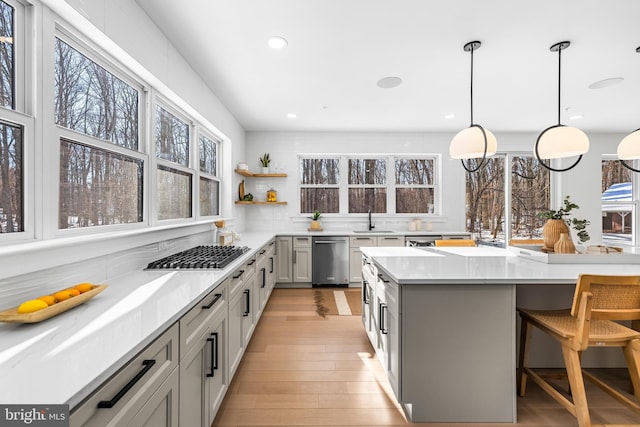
(13, 316)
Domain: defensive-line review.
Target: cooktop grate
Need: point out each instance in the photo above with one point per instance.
(199, 257)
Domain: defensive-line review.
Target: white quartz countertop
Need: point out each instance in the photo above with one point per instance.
(480, 265)
(64, 358)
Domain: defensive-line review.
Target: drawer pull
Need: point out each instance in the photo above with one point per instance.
(247, 301)
(263, 251)
(271, 271)
(382, 318)
(251, 262)
(264, 277)
(214, 353)
(239, 274)
(215, 300)
(365, 293)
(382, 278)
(148, 364)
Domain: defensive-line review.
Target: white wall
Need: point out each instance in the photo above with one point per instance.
(582, 183)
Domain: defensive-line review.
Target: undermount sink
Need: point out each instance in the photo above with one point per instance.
(373, 231)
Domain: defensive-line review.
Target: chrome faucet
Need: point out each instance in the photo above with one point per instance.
(371, 226)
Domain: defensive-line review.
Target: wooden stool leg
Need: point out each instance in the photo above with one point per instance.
(523, 359)
(576, 382)
(632, 356)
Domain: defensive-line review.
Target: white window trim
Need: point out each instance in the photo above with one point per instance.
(635, 198)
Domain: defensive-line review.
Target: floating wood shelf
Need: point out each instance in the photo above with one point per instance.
(248, 174)
(242, 202)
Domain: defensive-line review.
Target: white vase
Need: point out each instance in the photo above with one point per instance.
(265, 169)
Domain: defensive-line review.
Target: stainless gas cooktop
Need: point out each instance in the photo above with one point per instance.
(199, 258)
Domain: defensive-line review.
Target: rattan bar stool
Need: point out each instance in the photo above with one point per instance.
(455, 242)
(598, 301)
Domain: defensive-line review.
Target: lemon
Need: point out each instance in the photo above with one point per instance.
(83, 287)
(31, 306)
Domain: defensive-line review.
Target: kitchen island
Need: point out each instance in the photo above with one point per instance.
(443, 323)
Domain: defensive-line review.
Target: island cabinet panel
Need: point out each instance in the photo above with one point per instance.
(458, 352)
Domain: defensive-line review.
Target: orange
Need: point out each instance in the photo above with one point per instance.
(83, 287)
(63, 295)
(49, 299)
(74, 292)
(31, 306)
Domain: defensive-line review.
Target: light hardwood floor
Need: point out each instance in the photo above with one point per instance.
(301, 369)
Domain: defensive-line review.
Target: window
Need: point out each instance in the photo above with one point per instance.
(209, 185)
(7, 56)
(415, 186)
(99, 184)
(98, 187)
(172, 138)
(528, 187)
(382, 184)
(618, 203)
(367, 185)
(174, 193)
(93, 101)
(530, 194)
(11, 186)
(320, 185)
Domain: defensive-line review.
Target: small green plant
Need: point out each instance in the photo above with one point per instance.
(315, 216)
(265, 160)
(580, 225)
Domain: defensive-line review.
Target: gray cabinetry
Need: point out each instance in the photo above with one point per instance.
(355, 256)
(143, 390)
(203, 362)
(242, 312)
(284, 261)
(302, 261)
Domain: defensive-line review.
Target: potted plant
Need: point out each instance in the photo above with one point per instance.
(265, 160)
(315, 224)
(559, 222)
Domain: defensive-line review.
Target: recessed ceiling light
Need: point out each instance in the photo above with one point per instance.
(606, 83)
(450, 116)
(292, 115)
(277, 42)
(389, 82)
(576, 117)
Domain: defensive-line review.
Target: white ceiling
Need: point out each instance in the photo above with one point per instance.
(339, 49)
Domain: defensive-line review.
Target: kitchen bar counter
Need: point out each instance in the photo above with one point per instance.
(63, 359)
(448, 334)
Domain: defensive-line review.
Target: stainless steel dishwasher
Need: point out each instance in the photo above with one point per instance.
(330, 261)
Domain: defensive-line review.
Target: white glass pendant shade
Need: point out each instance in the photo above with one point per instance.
(559, 142)
(469, 144)
(629, 147)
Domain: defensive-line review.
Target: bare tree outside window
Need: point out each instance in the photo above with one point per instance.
(11, 186)
(7, 56)
(174, 193)
(485, 200)
(618, 204)
(98, 187)
(172, 138)
(209, 197)
(208, 156)
(92, 101)
(320, 185)
(367, 185)
(415, 186)
(530, 194)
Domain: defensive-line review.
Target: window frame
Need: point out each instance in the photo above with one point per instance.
(635, 201)
(201, 132)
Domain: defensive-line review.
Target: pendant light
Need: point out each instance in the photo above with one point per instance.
(560, 141)
(629, 147)
(474, 141)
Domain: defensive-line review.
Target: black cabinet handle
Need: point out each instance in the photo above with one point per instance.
(264, 277)
(382, 318)
(271, 271)
(247, 301)
(273, 242)
(215, 300)
(148, 364)
(382, 278)
(365, 297)
(239, 274)
(214, 353)
(251, 262)
(263, 251)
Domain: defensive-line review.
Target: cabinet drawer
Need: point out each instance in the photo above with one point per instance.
(360, 241)
(197, 319)
(302, 242)
(390, 240)
(120, 398)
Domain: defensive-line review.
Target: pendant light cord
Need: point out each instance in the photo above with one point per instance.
(559, 80)
(472, 49)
